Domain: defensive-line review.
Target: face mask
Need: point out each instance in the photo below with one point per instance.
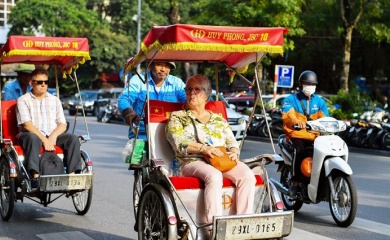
(308, 90)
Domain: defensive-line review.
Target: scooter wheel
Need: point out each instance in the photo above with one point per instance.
(386, 141)
(105, 119)
(289, 203)
(343, 205)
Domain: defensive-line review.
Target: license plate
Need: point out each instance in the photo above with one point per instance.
(248, 228)
(65, 182)
(255, 226)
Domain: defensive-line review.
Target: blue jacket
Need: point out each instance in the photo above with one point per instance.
(134, 96)
(12, 90)
(294, 112)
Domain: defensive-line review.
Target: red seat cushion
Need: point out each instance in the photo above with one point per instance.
(10, 123)
(181, 183)
(20, 152)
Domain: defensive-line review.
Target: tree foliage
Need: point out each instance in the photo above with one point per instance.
(54, 18)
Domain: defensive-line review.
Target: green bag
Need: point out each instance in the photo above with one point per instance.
(133, 151)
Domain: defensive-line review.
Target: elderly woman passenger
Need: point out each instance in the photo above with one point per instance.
(213, 130)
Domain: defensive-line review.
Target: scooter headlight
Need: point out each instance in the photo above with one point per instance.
(330, 126)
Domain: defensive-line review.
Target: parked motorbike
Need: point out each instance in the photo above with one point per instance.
(385, 136)
(276, 125)
(377, 114)
(326, 175)
(109, 113)
(258, 126)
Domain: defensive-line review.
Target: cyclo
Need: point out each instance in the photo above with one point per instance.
(172, 207)
(15, 181)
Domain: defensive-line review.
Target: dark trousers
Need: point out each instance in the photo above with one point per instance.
(31, 145)
(300, 146)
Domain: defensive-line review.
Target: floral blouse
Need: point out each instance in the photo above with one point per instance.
(180, 131)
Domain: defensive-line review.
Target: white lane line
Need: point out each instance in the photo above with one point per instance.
(298, 234)
(64, 236)
(367, 225)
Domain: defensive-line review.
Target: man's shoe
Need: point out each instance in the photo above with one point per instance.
(292, 191)
(34, 183)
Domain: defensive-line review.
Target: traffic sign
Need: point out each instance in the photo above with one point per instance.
(284, 76)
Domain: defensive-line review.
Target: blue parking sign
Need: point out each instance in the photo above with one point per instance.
(285, 75)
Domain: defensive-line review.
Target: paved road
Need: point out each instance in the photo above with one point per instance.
(111, 213)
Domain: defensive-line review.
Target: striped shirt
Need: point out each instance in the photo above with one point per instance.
(45, 114)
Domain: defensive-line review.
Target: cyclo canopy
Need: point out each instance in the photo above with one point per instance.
(237, 47)
(65, 52)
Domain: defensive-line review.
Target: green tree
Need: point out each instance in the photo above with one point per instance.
(365, 16)
(109, 54)
(322, 48)
(54, 18)
(282, 13)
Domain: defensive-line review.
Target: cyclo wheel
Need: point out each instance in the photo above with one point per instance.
(7, 190)
(343, 205)
(289, 203)
(152, 217)
(82, 200)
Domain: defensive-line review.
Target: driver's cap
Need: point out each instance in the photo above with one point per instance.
(25, 68)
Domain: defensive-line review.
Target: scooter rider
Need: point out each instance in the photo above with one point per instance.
(298, 108)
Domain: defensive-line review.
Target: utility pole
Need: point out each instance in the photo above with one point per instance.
(139, 31)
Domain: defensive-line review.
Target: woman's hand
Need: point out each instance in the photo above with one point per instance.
(212, 151)
(234, 156)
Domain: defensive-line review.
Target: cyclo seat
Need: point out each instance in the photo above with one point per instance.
(11, 129)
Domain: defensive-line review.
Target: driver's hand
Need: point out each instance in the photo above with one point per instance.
(301, 125)
(132, 117)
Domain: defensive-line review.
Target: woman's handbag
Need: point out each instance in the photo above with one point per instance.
(223, 163)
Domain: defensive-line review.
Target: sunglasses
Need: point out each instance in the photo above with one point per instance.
(40, 82)
(196, 90)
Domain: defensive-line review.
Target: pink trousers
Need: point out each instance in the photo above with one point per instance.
(241, 176)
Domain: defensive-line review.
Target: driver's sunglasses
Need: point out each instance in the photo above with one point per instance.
(40, 82)
(196, 90)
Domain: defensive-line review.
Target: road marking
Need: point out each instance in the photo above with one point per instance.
(64, 236)
(367, 225)
(298, 234)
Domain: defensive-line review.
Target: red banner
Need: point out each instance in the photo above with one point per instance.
(63, 51)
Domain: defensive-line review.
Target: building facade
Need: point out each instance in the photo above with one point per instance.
(5, 11)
